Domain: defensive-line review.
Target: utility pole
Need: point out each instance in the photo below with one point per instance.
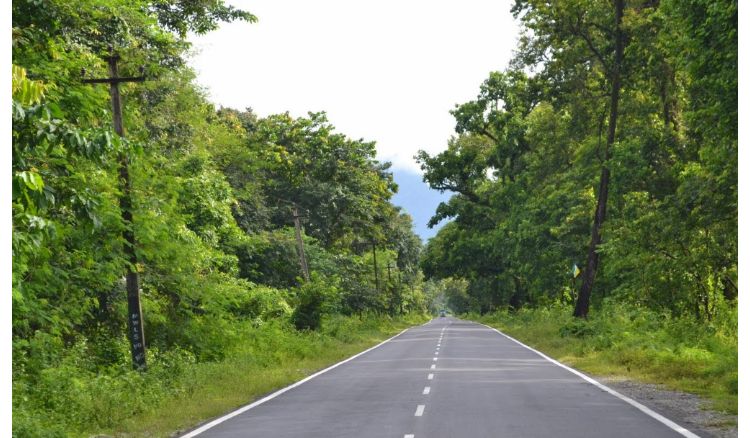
(135, 314)
(395, 292)
(300, 244)
(400, 301)
(375, 267)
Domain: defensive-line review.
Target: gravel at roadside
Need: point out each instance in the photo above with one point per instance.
(687, 410)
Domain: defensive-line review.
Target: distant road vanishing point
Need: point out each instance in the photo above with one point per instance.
(446, 378)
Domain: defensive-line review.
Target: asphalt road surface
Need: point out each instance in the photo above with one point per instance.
(447, 378)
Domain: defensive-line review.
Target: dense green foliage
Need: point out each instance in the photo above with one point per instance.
(526, 164)
(76, 398)
(536, 156)
(213, 193)
(635, 342)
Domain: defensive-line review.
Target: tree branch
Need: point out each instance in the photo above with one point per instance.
(484, 131)
(577, 29)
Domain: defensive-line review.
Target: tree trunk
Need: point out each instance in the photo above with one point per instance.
(516, 298)
(592, 261)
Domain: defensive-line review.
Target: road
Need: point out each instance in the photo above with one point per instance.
(447, 378)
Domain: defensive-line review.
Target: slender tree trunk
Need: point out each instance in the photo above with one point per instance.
(592, 261)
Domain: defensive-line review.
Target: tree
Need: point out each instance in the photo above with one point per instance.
(587, 33)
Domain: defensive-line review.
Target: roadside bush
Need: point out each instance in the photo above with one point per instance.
(314, 299)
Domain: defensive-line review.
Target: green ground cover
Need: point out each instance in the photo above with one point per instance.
(177, 392)
(635, 343)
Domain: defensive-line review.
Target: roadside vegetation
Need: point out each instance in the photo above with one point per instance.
(594, 181)
(265, 247)
(76, 398)
(634, 343)
(609, 144)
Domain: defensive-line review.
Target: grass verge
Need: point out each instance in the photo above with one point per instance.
(178, 392)
(635, 343)
(234, 382)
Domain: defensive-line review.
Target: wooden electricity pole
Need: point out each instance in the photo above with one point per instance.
(395, 292)
(135, 315)
(375, 267)
(300, 244)
(400, 301)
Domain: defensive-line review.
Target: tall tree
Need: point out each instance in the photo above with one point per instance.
(590, 33)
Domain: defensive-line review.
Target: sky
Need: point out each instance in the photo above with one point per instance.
(418, 200)
(384, 71)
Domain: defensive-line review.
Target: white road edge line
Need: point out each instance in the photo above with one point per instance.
(658, 417)
(420, 411)
(245, 408)
(426, 390)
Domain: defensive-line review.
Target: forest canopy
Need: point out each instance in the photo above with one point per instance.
(620, 112)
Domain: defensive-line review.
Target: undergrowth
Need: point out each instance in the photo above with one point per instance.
(76, 398)
(635, 342)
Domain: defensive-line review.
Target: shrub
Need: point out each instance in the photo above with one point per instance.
(314, 299)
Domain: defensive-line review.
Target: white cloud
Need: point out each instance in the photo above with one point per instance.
(387, 71)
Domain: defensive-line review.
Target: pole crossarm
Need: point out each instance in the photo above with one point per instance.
(114, 80)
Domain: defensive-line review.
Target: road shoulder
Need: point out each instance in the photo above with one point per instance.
(689, 410)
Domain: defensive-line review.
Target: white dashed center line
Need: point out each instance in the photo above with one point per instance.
(426, 390)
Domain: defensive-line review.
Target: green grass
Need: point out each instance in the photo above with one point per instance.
(243, 378)
(635, 343)
(178, 393)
